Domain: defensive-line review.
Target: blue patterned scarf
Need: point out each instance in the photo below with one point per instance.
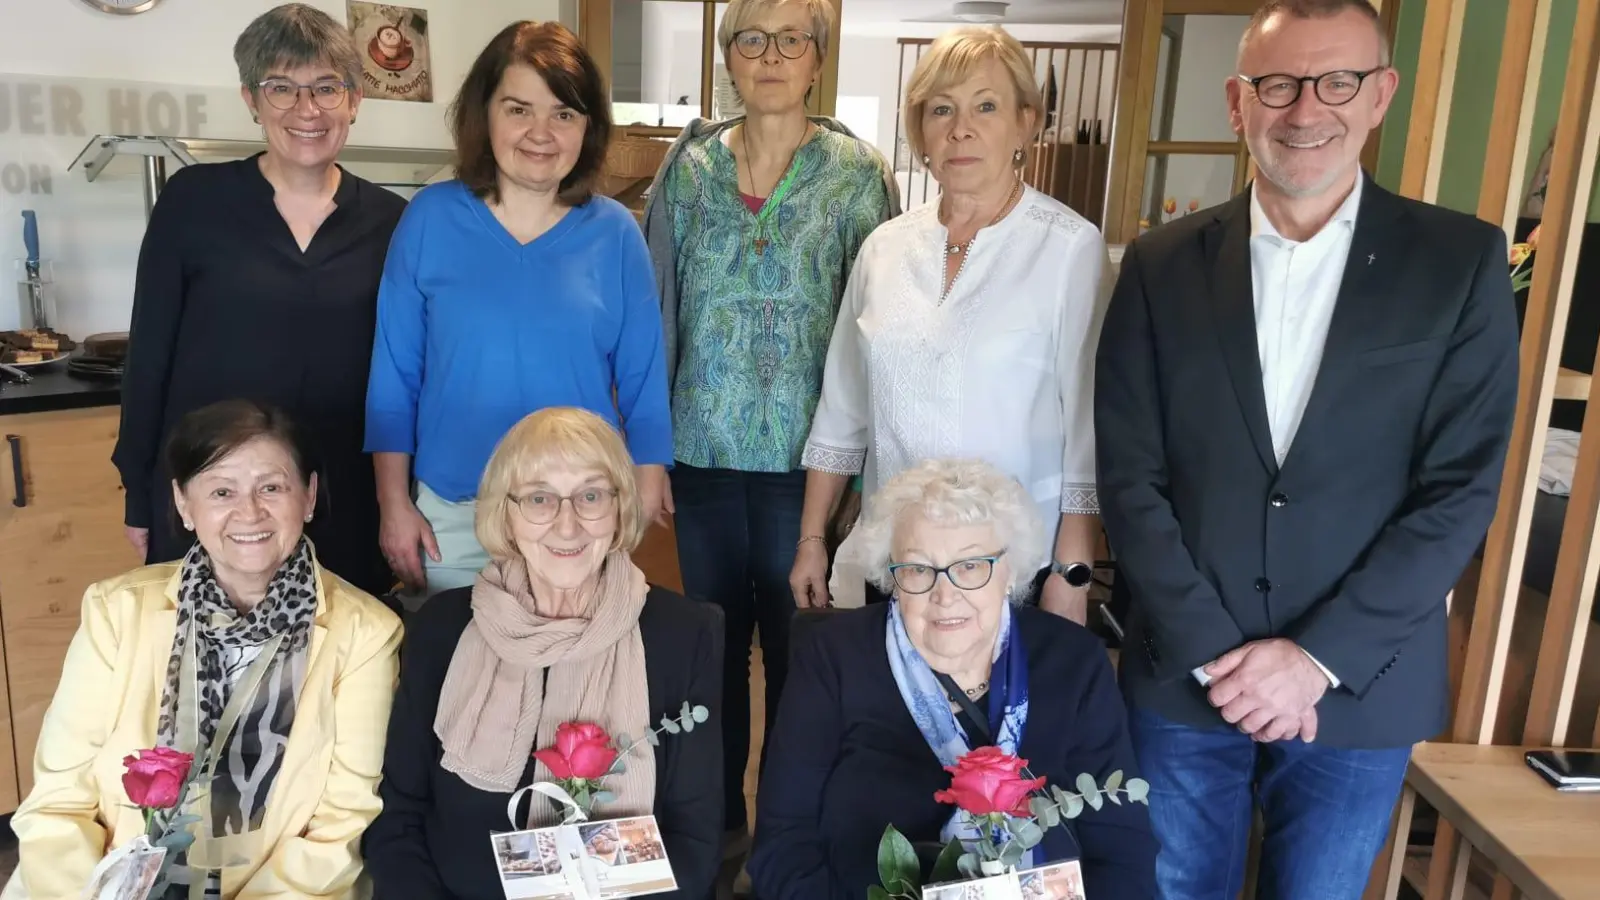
(930, 705)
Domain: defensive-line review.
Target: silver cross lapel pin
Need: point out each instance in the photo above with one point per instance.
(1372, 258)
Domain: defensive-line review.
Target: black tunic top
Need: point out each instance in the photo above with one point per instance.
(431, 841)
(227, 306)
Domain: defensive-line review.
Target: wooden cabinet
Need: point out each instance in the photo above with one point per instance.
(59, 533)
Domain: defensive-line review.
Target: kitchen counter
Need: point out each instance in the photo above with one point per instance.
(53, 389)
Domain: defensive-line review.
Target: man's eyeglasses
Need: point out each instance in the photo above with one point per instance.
(281, 93)
(590, 504)
(1332, 88)
(752, 42)
(968, 574)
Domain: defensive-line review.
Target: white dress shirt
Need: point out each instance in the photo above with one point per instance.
(1001, 369)
(1296, 285)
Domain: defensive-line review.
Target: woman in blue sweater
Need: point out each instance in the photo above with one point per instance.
(510, 289)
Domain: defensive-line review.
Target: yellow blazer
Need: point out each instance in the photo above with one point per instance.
(106, 707)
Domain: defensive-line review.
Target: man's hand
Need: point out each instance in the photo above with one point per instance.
(1064, 600)
(1264, 687)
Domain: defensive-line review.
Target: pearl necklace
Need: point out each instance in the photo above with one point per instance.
(958, 249)
(961, 250)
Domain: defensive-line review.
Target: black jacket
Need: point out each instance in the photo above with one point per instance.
(431, 842)
(1350, 546)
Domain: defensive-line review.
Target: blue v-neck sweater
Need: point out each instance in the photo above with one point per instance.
(476, 330)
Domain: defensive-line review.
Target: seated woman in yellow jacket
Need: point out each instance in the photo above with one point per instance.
(295, 780)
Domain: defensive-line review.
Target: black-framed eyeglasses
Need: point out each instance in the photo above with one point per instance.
(281, 93)
(589, 504)
(1332, 88)
(752, 42)
(968, 574)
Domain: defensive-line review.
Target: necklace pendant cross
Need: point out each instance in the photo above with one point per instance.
(761, 246)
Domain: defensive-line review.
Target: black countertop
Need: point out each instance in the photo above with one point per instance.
(53, 389)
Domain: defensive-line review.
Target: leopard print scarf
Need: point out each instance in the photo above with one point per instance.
(287, 609)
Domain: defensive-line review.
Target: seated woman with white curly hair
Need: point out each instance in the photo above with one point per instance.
(944, 668)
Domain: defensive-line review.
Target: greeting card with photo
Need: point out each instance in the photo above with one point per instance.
(1057, 881)
(605, 860)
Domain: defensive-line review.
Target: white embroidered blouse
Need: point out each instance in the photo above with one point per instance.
(1001, 369)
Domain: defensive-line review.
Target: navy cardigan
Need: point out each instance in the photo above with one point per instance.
(845, 760)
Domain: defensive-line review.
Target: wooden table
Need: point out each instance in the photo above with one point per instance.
(1547, 843)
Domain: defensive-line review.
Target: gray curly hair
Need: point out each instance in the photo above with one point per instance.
(953, 492)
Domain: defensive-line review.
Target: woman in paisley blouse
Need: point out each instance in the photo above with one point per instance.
(753, 227)
(969, 326)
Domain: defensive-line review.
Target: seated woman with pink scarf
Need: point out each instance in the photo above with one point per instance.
(559, 628)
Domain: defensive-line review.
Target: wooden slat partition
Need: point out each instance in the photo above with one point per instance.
(1567, 616)
(1430, 100)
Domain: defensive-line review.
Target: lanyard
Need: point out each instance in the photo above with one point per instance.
(771, 204)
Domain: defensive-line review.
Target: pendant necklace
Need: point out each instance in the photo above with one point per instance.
(964, 249)
(778, 192)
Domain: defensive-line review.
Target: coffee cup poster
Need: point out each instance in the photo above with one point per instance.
(393, 43)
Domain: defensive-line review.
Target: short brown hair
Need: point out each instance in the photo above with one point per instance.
(557, 435)
(208, 435)
(1316, 9)
(554, 52)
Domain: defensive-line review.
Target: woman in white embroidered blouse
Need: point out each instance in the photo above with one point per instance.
(968, 327)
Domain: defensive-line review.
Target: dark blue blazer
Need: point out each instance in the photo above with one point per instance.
(845, 759)
(1349, 546)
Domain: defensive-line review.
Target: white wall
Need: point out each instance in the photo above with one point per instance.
(181, 54)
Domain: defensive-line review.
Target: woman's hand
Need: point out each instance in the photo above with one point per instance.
(1064, 600)
(655, 493)
(809, 576)
(402, 529)
(139, 538)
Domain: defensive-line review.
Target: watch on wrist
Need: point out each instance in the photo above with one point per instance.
(1076, 574)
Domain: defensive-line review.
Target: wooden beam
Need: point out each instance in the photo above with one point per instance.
(594, 32)
(1516, 88)
(1128, 132)
(1430, 102)
(1147, 44)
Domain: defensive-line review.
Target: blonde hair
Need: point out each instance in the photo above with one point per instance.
(953, 58)
(742, 13)
(550, 438)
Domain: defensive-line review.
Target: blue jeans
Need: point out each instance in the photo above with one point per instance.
(736, 542)
(1326, 810)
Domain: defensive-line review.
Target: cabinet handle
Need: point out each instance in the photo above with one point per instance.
(21, 498)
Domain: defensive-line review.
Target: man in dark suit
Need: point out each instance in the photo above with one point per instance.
(1303, 400)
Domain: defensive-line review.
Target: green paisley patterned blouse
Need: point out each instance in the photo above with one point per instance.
(753, 328)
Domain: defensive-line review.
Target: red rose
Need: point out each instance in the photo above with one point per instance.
(988, 780)
(154, 778)
(582, 750)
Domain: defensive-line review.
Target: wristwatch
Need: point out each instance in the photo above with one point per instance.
(1076, 574)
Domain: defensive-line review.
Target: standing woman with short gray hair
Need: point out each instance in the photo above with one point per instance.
(259, 279)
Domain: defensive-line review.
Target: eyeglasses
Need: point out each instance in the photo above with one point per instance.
(752, 43)
(281, 93)
(1332, 88)
(542, 507)
(967, 574)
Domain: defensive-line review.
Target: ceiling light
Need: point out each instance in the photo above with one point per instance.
(980, 10)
